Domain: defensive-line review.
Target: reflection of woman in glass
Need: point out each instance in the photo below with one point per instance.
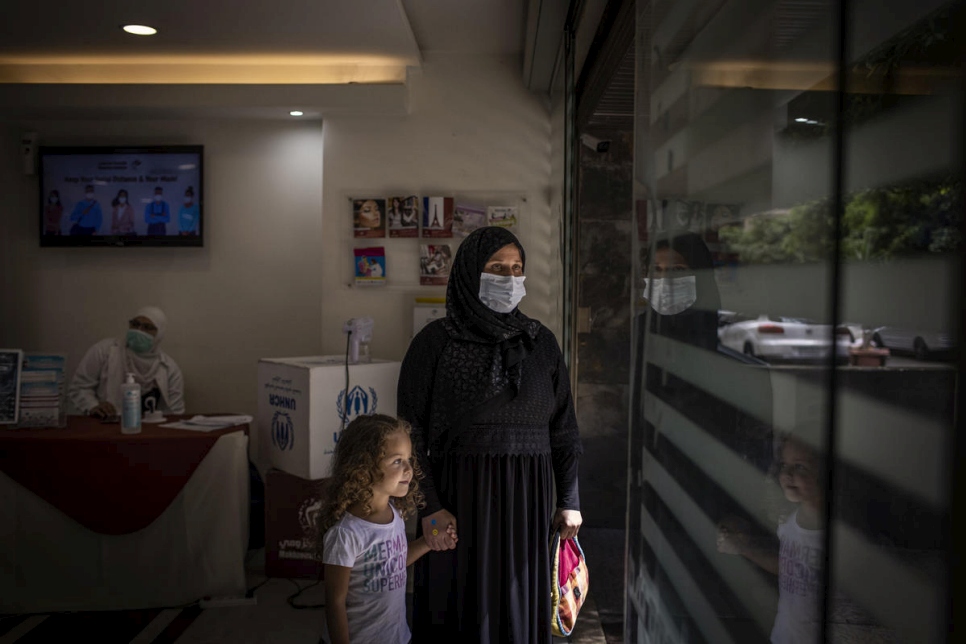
(188, 215)
(122, 215)
(53, 212)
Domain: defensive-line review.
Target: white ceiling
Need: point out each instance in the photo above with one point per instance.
(246, 41)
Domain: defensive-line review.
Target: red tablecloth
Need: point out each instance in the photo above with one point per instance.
(109, 482)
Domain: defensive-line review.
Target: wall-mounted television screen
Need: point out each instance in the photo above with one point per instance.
(122, 196)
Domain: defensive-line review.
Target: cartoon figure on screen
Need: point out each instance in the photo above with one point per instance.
(53, 213)
(157, 214)
(798, 561)
(87, 215)
(122, 215)
(373, 488)
(188, 215)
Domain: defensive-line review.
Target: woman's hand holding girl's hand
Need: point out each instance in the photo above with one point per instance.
(567, 522)
(444, 525)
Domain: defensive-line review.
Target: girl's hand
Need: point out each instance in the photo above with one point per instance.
(567, 522)
(444, 524)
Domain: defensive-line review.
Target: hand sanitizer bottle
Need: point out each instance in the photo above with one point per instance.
(130, 406)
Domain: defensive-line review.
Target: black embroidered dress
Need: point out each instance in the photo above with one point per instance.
(488, 396)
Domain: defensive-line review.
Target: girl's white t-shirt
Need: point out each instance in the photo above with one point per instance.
(800, 561)
(376, 602)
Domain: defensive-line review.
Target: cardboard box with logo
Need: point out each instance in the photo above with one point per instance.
(304, 403)
(292, 506)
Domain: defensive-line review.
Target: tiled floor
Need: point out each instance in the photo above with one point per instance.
(281, 615)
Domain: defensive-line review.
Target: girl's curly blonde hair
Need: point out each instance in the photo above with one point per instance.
(356, 468)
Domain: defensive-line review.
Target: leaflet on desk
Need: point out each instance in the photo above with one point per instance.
(209, 423)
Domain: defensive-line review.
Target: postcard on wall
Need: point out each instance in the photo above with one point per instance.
(503, 216)
(467, 218)
(10, 362)
(402, 214)
(368, 217)
(434, 264)
(370, 266)
(437, 217)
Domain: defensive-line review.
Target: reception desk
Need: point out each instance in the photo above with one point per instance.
(91, 519)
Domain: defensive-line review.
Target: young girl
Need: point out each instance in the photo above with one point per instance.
(798, 562)
(363, 538)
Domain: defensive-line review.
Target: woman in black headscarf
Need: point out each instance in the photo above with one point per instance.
(493, 426)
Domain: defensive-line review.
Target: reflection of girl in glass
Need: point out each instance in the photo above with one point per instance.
(53, 212)
(188, 215)
(122, 215)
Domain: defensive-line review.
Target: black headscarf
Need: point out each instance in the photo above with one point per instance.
(467, 318)
(698, 325)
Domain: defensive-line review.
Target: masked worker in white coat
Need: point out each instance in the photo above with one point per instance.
(96, 387)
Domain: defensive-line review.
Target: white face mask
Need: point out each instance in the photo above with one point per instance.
(89, 195)
(671, 295)
(122, 199)
(157, 197)
(501, 293)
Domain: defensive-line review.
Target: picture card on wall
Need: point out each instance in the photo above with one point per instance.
(370, 266)
(437, 216)
(467, 218)
(403, 216)
(368, 217)
(434, 264)
(504, 216)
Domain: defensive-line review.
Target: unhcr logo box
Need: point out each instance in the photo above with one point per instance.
(303, 402)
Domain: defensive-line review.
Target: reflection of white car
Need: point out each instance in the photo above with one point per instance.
(921, 344)
(782, 338)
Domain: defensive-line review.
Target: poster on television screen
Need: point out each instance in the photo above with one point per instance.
(121, 196)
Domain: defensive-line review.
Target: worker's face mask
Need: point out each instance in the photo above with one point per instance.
(157, 198)
(139, 341)
(501, 293)
(671, 295)
(89, 195)
(122, 200)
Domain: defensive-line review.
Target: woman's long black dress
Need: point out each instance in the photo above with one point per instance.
(493, 465)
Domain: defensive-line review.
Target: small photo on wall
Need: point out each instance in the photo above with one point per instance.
(368, 217)
(370, 266)
(503, 216)
(435, 261)
(437, 216)
(467, 218)
(403, 216)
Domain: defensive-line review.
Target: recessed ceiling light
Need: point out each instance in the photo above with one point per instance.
(296, 113)
(140, 30)
(801, 120)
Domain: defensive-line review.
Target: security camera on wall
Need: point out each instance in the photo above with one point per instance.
(595, 144)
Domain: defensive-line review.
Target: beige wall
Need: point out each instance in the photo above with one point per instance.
(273, 278)
(473, 132)
(253, 290)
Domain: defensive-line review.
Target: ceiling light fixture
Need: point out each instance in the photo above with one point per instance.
(295, 113)
(801, 120)
(140, 30)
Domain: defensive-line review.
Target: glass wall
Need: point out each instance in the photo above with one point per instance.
(798, 218)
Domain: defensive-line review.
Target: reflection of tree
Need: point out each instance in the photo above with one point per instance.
(917, 217)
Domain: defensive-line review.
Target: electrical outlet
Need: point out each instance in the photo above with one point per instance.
(222, 601)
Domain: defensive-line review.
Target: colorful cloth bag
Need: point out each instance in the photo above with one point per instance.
(569, 583)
